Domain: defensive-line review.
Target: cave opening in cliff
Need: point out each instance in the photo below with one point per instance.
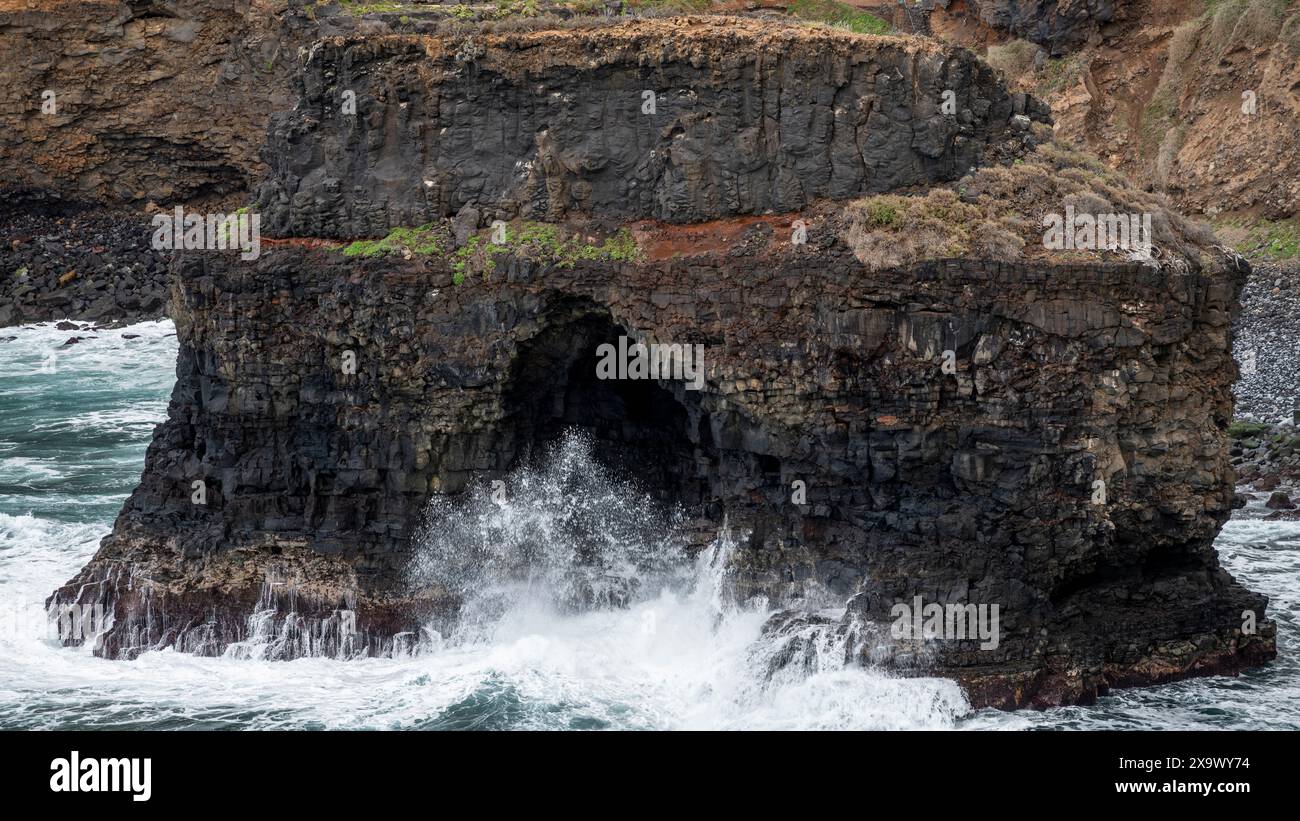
(654, 432)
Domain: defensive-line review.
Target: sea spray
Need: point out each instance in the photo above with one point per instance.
(570, 570)
(276, 630)
(563, 534)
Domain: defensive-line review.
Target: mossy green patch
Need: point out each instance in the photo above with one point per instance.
(1273, 240)
(515, 8)
(425, 240)
(881, 213)
(532, 240)
(837, 14)
(1245, 430)
(544, 242)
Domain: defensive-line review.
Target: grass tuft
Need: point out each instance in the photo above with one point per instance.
(838, 14)
(532, 240)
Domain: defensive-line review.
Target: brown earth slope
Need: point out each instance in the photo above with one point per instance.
(1163, 93)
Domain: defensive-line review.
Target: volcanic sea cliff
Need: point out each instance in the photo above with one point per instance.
(849, 228)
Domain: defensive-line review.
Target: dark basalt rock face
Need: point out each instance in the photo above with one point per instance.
(556, 124)
(967, 487)
(973, 484)
(1058, 26)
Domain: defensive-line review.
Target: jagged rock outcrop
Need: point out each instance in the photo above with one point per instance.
(124, 102)
(1057, 26)
(1197, 100)
(624, 121)
(976, 486)
(1044, 434)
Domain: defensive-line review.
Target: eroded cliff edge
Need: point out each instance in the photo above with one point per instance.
(970, 485)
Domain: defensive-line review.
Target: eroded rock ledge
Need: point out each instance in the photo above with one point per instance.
(682, 120)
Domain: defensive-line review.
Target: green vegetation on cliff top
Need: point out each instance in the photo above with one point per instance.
(837, 14)
(1245, 430)
(1263, 239)
(829, 12)
(530, 240)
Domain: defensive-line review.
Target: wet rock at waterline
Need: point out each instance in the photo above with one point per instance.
(1279, 501)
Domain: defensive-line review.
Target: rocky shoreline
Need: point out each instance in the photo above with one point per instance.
(67, 261)
(1267, 344)
(1266, 458)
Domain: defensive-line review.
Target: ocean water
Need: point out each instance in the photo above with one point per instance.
(630, 640)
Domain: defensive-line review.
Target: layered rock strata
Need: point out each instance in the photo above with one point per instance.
(680, 121)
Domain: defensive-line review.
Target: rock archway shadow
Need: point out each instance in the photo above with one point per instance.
(654, 432)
